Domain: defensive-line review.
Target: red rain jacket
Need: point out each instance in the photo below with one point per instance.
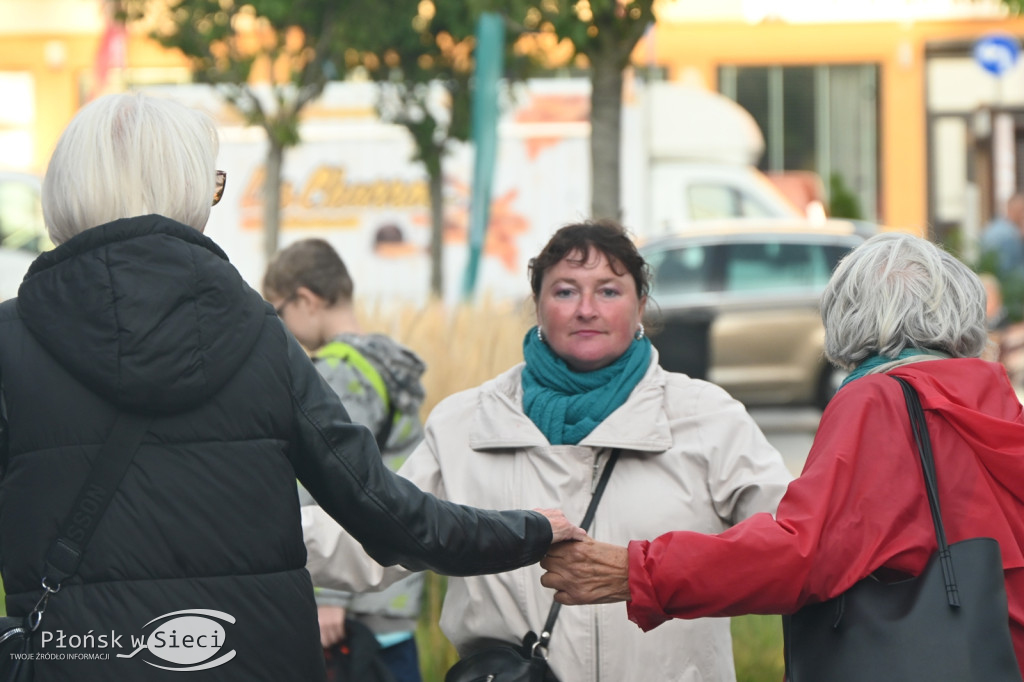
(860, 504)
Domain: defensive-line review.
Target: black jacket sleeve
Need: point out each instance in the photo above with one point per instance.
(3, 433)
(396, 522)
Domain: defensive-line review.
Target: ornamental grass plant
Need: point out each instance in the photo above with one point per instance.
(462, 347)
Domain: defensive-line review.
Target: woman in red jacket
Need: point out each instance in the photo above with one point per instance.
(897, 305)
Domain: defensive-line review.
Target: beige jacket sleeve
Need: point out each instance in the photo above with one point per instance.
(335, 559)
(746, 474)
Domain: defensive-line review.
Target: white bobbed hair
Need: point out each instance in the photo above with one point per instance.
(897, 291)
(126, 155)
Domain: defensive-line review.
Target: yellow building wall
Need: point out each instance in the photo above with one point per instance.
(899, 51)
(62, 69)
(56, 84)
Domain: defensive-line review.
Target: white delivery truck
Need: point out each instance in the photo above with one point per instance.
(687, 156)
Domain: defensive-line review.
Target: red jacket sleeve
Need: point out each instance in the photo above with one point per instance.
(858, 505)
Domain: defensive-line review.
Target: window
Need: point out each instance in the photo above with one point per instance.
(681, 271)
(17, 116)
(723, 201)
(775, 266)
(834, 254)
(820, 118)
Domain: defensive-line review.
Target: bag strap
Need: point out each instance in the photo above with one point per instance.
(924, 448)
(109, 467)
(588, 517)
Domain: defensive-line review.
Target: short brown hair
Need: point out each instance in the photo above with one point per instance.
(310, 263)
(607, 236)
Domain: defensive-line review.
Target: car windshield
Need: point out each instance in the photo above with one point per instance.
(710, 201)
(747, 266)
(775, 266)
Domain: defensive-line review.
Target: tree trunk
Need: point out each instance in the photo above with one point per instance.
(436, 230)
(272, 197)
(605, 136)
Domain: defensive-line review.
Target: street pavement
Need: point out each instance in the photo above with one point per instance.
(790, 429)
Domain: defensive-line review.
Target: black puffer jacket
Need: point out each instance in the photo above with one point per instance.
(146, 315)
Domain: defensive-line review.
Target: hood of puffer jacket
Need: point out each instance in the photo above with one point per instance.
(147, 312)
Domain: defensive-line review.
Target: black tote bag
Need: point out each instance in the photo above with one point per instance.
(949, 624)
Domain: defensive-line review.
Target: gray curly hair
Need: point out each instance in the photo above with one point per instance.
(898, 291)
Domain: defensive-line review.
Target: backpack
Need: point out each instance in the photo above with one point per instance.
(394, 371)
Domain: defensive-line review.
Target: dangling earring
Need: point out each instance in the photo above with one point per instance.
(639, 332)
(540, 334)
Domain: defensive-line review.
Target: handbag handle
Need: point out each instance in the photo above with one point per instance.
(924, 448)
(588, 517)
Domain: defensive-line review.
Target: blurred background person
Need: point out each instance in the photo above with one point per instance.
(995, 311)
(378, 381)
(542, 432)
(897, 306)
(136, 311)
(1003, 239)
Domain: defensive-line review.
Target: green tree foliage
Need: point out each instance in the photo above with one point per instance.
(844, 203)
(225, 39)
(605, 32)
(420, 54)
(416, 48)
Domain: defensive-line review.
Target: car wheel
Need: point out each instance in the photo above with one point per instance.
(829, 380)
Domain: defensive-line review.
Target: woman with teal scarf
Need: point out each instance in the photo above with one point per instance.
(541, 434)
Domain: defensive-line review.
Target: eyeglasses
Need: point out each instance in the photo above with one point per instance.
(218, 191)
(284, 304)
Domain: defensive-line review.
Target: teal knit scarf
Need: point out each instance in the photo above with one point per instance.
(567, 405)
(872, 361)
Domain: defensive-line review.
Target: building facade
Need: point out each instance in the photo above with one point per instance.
(886, 100)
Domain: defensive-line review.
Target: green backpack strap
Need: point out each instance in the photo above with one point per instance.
(343, 352)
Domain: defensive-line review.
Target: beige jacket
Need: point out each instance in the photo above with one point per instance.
(692, 459)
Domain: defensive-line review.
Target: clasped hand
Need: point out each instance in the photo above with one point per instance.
(587, 572)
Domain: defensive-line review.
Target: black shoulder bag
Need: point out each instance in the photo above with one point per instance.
(65, 554)
(528, 662)
(949, 624)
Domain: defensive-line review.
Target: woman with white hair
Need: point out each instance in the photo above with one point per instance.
(897, 306)
(198, 562)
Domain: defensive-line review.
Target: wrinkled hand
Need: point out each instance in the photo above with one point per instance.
(332, 625)
(561, 528)
(587, 572)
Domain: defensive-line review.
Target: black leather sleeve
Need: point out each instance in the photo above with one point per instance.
(396, 522)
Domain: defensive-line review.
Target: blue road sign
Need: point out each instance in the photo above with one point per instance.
(996, 53)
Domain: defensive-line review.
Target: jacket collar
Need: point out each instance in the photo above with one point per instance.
(499, 422)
